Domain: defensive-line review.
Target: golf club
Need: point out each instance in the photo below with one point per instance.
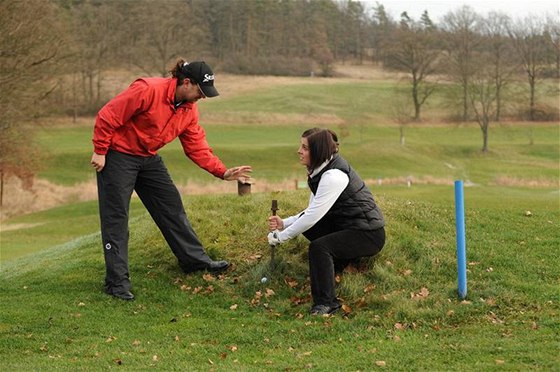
(264, 279)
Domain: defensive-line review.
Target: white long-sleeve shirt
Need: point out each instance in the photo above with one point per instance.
(332, 184)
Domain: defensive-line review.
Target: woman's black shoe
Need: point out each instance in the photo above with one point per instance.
(323, 310)
(126, 295)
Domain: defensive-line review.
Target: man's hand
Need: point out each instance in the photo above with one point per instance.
(98, 162)
(273, 239)
(241, 173)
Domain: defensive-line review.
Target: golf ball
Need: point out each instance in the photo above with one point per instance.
(264, 279)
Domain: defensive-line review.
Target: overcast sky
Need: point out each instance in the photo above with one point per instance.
(438, 8)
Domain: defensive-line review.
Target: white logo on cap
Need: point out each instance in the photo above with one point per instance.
(108, 246)
(207, 78)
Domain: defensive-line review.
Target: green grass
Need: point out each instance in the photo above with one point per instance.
(55, 316)
(405, 313)
(53, 227)
(447, 152)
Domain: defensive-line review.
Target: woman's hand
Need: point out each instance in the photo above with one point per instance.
(275, 223)
(98, 162)
(241, 173)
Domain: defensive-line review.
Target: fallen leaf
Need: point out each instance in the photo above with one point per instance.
(424, 292)
(136, 343)
(223, 355)
(155, 358)
(399, 326)
(534, 325)
(291, 282)
(233, 348)
(346, 309)
(361, 303)
(269, 292)
(118, 361)
(369, 288)
(208, 277)
(490, 301)
(81, 304)
(407, 272)
(380, 363)
(500, 361)
(233, 307)
(110, 339)
(176, 338)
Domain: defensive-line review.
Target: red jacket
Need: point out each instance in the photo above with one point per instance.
(142, 119)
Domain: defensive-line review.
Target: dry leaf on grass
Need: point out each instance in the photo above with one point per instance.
(369, 288)
(291, 282)
(424, 292)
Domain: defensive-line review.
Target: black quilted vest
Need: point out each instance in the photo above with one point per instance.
(355, 208)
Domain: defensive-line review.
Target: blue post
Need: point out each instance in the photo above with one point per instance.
(461, 246)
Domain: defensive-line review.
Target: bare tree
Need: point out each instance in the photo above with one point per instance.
(552, 35)
(31, 46)
(482, 93)
(462, 27)
(501, 56)
(528, 37)
(414, 51)
(161, 31)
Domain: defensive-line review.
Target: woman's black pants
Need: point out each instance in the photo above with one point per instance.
(330, 247)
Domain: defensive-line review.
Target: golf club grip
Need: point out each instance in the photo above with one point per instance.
(274, 207)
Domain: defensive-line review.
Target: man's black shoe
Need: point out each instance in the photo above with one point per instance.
(212, 266)
(126, 295)
(323, 310)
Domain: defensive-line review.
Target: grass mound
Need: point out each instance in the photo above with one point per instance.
(401, 308)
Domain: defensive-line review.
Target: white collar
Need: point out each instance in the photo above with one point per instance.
(320, 167)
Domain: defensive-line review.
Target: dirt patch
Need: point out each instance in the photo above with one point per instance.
(518, 182)
(18, 226)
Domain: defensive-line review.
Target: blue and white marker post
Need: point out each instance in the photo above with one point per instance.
(461, 246)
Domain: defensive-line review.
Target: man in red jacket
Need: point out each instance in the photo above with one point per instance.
(128, 131)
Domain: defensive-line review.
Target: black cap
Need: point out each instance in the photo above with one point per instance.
(200, 73)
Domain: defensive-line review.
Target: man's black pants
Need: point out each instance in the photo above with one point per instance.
(149, 177)
(331, 246)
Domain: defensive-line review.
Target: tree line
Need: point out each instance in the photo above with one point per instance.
(55, 54)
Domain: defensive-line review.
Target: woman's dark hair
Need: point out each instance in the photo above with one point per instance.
(323, 144)
(178, 73)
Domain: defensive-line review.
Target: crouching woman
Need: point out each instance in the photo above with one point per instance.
(342, 221)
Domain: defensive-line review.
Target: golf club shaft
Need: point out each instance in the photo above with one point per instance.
(273, 208)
